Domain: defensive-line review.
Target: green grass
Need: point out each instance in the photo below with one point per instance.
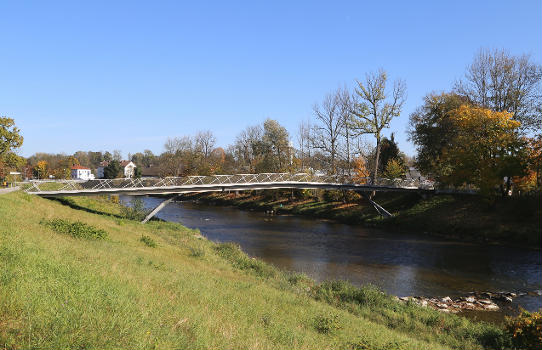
(59, 291)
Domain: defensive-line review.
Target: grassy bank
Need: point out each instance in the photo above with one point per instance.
(511, 221)
(76, 274)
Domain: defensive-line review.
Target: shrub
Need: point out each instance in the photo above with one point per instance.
(340, 292)
(148, 241)
(526, 330)
(326, 324)
(135, 210)
(197, 252)
(232, 252)
(75, 229)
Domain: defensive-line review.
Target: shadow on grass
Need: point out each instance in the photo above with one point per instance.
(70, 203)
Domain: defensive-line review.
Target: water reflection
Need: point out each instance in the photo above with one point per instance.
(401, 264)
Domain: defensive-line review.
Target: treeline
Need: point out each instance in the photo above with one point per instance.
(484, 131)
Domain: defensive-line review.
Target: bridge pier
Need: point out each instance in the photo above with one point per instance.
(378, 207)
(158, 208)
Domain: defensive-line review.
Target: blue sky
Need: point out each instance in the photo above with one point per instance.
(104, 75)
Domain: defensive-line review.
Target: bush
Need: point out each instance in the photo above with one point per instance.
(135, 211)
(148, 241)
(326, 324)
(233, 253)
(341, 292)
(526, 330)
(75, 229)
(197, 252)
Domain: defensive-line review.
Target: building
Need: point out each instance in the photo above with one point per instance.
(128, 168)
(79, 172)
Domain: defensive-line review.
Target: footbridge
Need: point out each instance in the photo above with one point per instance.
(173, 186)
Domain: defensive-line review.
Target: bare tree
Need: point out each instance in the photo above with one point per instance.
(205, 143)
(303, 140)
(178, 145)
(374, 110)
(501, 82)
(345, 112)
(246, 146)
(328, 128)
(117, 155)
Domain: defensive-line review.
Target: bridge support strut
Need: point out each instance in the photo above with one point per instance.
(158, 208)
(383, 212)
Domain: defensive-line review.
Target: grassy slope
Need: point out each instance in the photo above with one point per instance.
(514, 221)
(60, 292)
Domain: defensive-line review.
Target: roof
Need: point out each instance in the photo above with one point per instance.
(79, 167)
(124, 163)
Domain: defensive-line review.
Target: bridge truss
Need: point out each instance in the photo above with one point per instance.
(174, 186)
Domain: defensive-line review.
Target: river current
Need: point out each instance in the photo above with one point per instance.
(400, 264)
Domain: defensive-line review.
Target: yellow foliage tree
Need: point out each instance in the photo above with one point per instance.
(361, 174)
(485, 150)
(41, 169)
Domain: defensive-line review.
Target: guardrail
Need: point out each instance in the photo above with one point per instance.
(237, 179)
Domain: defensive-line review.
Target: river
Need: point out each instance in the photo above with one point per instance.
(401, 264)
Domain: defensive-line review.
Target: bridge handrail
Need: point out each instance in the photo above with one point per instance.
(223, 179)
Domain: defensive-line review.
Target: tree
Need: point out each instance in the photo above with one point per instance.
(373, 110)
(328, 128)
(361, 173)
(41, 169)
(303, 140)
(501, 82)
(275, 146)
(137, 172)
(432, 130)
(485, 149)
(112, 170)
(394, 169)
(247, 148)
(117, 155)
(389, 150)
(10, 137)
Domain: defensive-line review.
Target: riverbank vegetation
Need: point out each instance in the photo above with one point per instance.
(512, 221)
(62, 290)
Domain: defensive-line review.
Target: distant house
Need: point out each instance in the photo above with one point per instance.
(79, 172)
(126, 166)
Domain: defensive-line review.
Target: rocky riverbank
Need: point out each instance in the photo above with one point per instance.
(475, 301)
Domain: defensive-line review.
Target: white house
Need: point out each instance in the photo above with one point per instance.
(81, 173)
(126, 166)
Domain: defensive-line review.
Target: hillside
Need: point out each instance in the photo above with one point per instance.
(82, 276)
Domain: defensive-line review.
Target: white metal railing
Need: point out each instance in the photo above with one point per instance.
(237, 179)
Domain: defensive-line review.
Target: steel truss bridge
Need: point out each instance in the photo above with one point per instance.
(173, 186)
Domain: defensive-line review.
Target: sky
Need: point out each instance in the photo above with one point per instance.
(105, 75)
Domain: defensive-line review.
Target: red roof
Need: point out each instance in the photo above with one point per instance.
(79, 167)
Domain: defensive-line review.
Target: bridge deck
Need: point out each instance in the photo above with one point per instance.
(238, 182)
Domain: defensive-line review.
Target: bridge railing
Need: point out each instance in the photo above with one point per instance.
(261, 178)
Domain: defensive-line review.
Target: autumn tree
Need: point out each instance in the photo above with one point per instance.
(41, 169)
(275, 146)
(485, 149)
(432, 130)
(361, 173)
(501, 82)
(375, 107)
(10, 137)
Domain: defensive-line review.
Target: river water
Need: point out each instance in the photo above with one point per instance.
(401, 264)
